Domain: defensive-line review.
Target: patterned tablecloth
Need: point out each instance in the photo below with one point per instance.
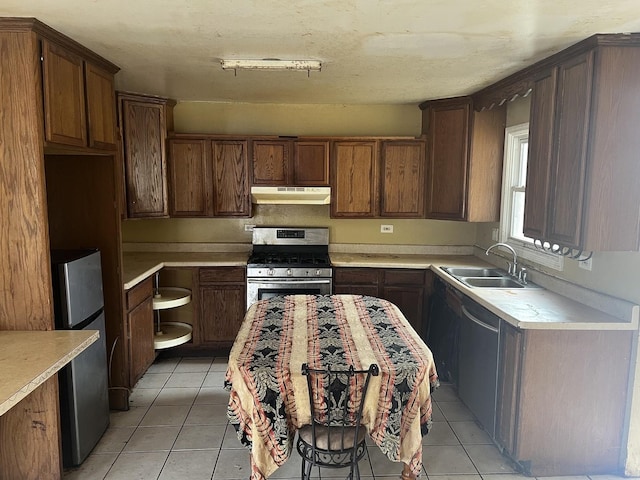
(268, 394)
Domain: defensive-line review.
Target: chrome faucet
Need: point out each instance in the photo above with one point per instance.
(513, 267)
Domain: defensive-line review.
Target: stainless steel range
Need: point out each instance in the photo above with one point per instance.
(288, 260)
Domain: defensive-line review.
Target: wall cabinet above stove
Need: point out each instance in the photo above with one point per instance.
(290, 162)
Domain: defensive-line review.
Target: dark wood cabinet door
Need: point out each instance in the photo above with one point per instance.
(356, 281)
(101, 107)
(402, 179)
(569, 164)
(189, 178)
(230, 179)
(141, 332)
(271, 162)
(410, 301)
(448, 160)
(222, 308)
(354, 183)
(143, 131)
(310, 163)
(541, 125)
(64, 97)
(406, 289)
(508, 386)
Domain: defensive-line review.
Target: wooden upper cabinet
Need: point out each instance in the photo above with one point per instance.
(290, 162)
(567, 176)
(464, 167)
(271, 162)
(78, 100)
(189, 178)
(143, 124)
(582, 169)
(354, 179)
(448, 154)
(230, 168)
(402, 179)
(310, 163)
(541, 119)
(101, 107)
(64, 97)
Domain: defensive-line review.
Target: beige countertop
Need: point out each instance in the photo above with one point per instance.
(29, 358)
(531, 308)
(139, 265)
(527, 308)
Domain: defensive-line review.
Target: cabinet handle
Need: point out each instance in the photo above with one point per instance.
(475, 319)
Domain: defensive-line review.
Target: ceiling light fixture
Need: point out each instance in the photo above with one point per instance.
(272, 64)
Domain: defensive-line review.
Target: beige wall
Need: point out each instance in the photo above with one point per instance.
(269, 119)
(215, 230)
(310, 119)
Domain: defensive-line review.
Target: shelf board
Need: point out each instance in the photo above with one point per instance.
(172, 334)
(171, 297)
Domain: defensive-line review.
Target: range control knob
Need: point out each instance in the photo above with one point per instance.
(318, 272)
(271, 272)
(289, 272)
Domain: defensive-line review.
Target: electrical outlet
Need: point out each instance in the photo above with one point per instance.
(386, 228)
(494, 234)
(249, 228)
(586, 264)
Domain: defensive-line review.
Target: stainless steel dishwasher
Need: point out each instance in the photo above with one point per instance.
(478, 361)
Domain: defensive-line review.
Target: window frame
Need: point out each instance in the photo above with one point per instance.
(514, 135)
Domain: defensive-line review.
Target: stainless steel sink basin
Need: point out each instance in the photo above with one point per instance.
(492, 282)
(480, 277)
(475, 272)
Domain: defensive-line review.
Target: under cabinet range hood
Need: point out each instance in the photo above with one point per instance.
(291, 195)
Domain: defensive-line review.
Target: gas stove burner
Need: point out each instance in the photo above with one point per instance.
(288, 259)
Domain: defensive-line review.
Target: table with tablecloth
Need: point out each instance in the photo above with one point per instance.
(268, 398)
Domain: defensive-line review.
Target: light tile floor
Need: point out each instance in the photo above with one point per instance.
(177, 428)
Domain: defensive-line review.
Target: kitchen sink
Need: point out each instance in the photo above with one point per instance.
(479, 277)
(474, 272)
(492, 282)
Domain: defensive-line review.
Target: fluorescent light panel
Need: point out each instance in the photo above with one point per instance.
(271, 64)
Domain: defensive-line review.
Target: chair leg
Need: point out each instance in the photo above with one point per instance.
(306, 469)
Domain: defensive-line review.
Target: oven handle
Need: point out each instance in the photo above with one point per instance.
(288, 280)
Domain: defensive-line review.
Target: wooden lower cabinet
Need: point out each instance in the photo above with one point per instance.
(408, 289)
(222, 296)
(140, 329)
(562, 399)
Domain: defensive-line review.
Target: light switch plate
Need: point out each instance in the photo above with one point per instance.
(386, 228)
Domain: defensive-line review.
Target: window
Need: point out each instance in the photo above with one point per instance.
(513, 194)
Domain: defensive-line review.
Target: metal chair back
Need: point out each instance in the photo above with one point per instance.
(335, 438)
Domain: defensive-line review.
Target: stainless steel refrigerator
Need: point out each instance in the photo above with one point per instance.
(79, 305)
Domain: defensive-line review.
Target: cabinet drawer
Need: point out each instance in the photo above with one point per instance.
(356, 276)
(139, 293)
(222, 275)
(403, 277)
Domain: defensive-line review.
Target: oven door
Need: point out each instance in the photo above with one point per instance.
(263, 288)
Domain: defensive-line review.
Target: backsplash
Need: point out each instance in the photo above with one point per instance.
(348, 231)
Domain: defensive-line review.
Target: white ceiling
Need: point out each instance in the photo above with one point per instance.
(373, 51)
